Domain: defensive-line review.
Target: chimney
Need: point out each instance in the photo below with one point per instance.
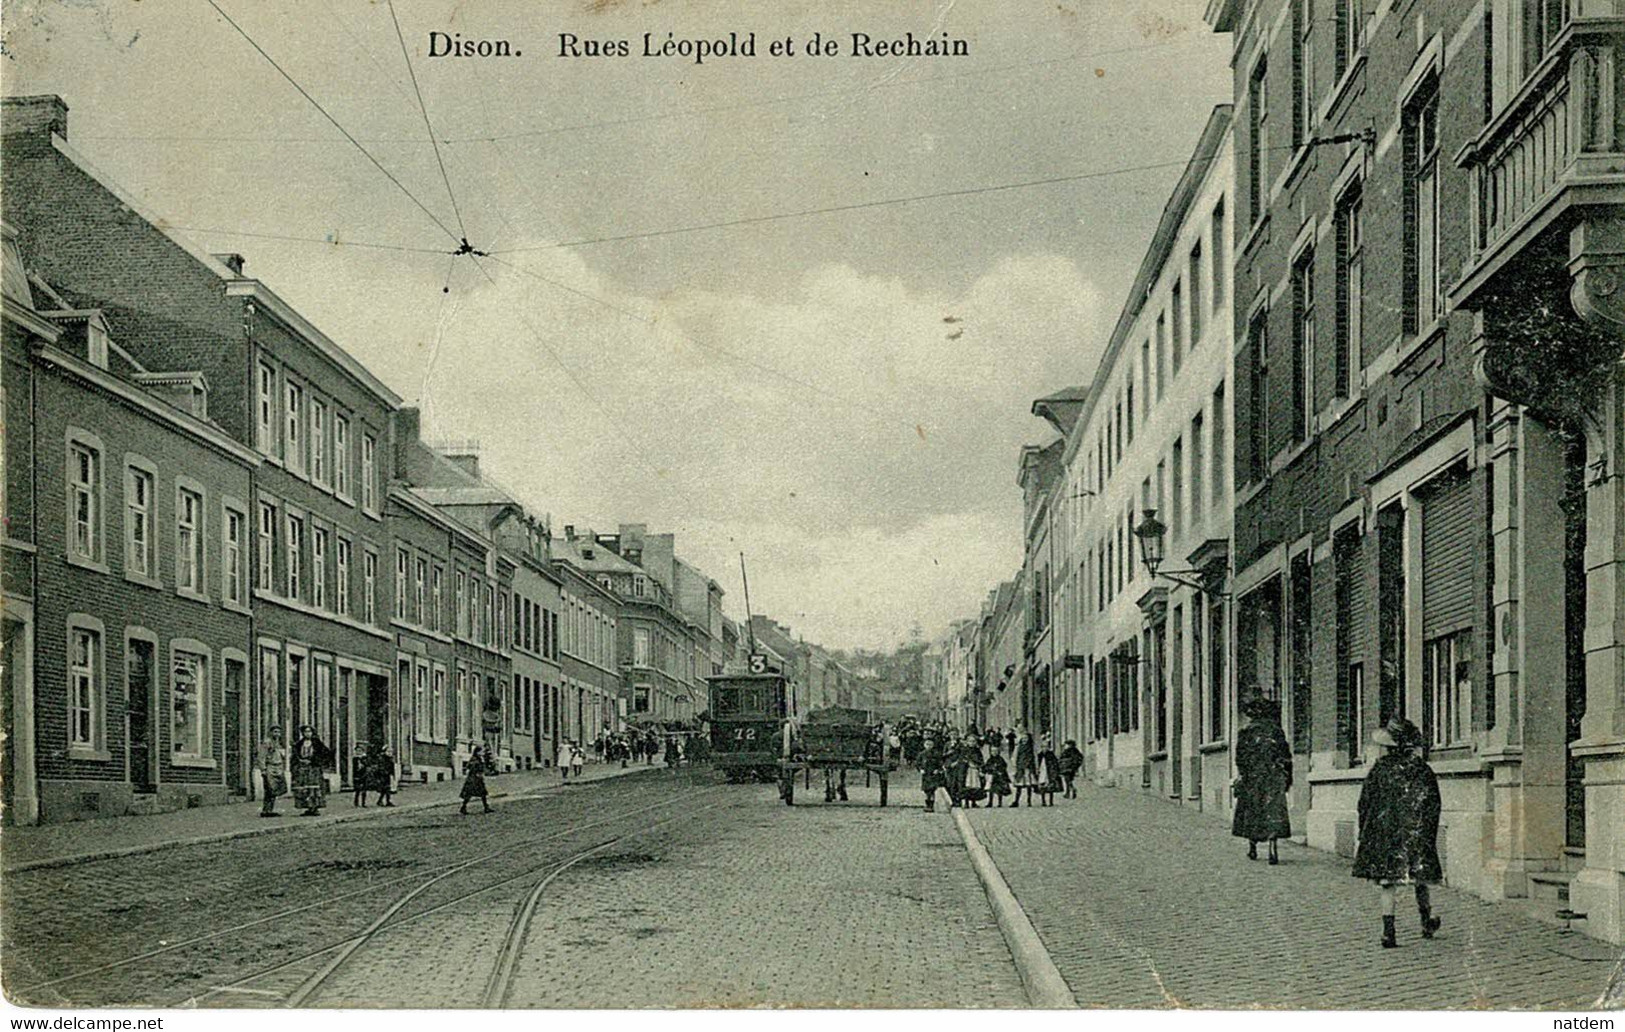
(467, 462)
(231, 260)
(408, 419)
(569, 532)
(44, 113)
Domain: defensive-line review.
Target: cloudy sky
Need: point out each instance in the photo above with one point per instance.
(785, 385)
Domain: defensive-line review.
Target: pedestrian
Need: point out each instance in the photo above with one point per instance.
(309, 760)
(383, 773)
(598, 748)
(474, 780)
(1399, 825)
(1026, 763)
(273, 771)
(1071, 762)
(973, 788)
(671, 751)
(1264, 774)
(562, 759)
(953, 768)
(997, 772)
(930, 763)
(1010, 742)
(1049, 773)
(361, 779)
(578, 759)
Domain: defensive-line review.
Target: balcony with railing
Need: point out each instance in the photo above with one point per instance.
(1556, 145)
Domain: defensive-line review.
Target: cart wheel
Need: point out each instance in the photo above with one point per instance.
(789, 792)
(882, 790)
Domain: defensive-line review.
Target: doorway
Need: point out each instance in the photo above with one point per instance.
(139, 692)
(236, 769)
(1574, 627)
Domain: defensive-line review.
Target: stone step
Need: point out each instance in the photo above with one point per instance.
(1550, 885)
(144, 804)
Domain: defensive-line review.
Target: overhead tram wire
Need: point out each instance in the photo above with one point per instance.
(620, 428)
(324, 241)
(317, 105)
(423, 109)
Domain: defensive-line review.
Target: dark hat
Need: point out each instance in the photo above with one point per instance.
(1398, 734)
(1259, 708)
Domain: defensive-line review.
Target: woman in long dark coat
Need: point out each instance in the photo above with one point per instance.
(1264, 765)
(474, 780)
(1399, 825)
(309, 758)
(930, 764)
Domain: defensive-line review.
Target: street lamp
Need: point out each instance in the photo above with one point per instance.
(1151, 533)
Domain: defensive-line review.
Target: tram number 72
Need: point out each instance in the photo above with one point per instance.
(744, 734)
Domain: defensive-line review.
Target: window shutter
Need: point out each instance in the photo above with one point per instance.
(1449, 555)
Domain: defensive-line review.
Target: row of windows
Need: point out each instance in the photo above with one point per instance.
(313, 437)
(589, 634)
(536, 628)
(189, 569)
(188, 705)
(1163, 352)
(317, 564)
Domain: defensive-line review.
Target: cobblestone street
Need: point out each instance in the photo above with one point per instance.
(1144, 904)
(683, 892)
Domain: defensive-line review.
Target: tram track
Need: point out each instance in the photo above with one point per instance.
(329, 960)
(419, 882)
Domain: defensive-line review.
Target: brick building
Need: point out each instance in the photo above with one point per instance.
(593, 698)
(127, 623)
(1427, 396)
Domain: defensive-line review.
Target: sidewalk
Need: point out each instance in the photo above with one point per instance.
(1142, 904)
(54, 845)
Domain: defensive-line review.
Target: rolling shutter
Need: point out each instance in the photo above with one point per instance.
(1450, 555)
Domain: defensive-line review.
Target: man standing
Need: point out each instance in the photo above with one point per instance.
(273, 771)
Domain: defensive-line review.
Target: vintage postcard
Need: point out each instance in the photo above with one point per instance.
(1105, 504)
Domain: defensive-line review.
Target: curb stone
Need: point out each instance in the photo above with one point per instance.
(1046, 989)
(73, 859)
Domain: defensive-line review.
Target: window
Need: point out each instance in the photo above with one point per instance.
(189, 686)
(1195, 280)
(1350, 27)
(1258, 146)
(341, 577)
(369, 586)
(318, 568)
(138, 558)
(296, 553)
(424, 722)
(1177, 304)
(1219, 266)
(341, 455)
(1162, 353)
(369, 473)
(85, 501)
(1303, 344)
(84, 687)
(235, 565)
(265, 437)
(1176, 511)
(1303, 71)
(420, 587)
(1145, 380)
(436, 605)
(462, 604)
(267, 546)
(1128, 407)
(1448, 681)
(487, 627)
(1422, 296)
(293, 437)
(400, 583)
(1542, 21)
(1219, 451)
(1350, 292)
(1258, 374)
(439, 705)
(1197, 497)
(318, 441)
(189, 541)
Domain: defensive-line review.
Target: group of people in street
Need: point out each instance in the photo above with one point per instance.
(973, 766)
(1398, 809)
(301, 770)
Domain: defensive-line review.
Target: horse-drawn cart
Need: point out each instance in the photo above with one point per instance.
(834, 740)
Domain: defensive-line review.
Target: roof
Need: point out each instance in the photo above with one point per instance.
(473, 494)
(603, 560)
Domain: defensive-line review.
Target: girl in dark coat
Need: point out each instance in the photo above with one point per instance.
(998, 775)
(1049, 774)
(1026, 768)
(1399, 825)
(381, 769)
(1071, 763)
(930, 763)
(474, 780)
(1264, 765)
